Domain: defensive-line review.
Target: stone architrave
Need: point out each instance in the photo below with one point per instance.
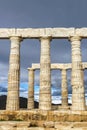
(45, 75)
(30, 104)
(64, 88)
(14, 75)
(78, 92)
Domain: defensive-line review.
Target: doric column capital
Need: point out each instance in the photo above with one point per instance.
(74, 38)
(45, 38)
(31, 69)
(64, 69)
(61, 69)
(16, 38)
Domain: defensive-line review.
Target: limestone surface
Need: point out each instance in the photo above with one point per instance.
(30, 104)
(14, 75)
(45, 75)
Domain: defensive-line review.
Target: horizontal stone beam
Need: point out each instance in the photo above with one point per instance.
(35, 66)
(53, 66)
(36, 32)
(32, 33)
(59, 66)
(82, 32)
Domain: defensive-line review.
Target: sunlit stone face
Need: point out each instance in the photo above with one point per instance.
(45, 35)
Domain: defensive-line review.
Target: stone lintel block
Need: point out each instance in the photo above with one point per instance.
(36, 32)
(36, 66)
(45, 32)
(58, 66)
(53, 66)
(42, 32)
(81, 32)
(6, 32)
(63, 32)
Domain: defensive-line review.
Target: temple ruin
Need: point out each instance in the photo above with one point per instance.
(64, 86)
(44, 116)
(45, 35)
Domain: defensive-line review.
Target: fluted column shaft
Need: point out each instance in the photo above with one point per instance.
(30, 104)
(14, 75)
(45, 75)
(78, 92)
(64, 88)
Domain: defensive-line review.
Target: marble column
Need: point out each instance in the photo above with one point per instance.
(78, 92)
(64, 86)
(45, 75)
(30, 104)
(14, 75)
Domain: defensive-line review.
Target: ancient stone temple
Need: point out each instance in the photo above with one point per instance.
(45, 37)
(63, 68)
(77, 112)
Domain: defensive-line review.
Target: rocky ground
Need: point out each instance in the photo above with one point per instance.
(40, 120)
(43, 120)
(17, 125)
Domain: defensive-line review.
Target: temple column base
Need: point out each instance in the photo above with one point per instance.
(60, 107)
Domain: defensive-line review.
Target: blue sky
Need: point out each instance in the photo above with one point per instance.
(40, 14)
